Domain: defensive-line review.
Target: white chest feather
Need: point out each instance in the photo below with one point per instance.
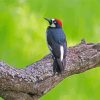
(61, 53)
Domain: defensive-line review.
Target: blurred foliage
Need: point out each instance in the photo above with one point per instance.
(23, 40)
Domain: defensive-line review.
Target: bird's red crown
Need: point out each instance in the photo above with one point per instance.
(59, 22)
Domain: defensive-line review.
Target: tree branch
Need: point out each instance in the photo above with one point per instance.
(35, 80)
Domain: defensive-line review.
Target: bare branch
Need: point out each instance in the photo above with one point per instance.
(35, 80)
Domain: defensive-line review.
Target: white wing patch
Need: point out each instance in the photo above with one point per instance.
(50, 47)
(61, 53)
(50, 50)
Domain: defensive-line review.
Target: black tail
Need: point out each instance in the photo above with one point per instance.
(58, 65)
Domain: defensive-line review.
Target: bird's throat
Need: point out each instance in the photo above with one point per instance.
(52, 25)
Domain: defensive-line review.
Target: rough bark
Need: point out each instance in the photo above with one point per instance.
(35, 80)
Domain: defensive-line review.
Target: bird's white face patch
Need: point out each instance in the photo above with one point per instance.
(61, 52)
(53, 20)
(53, 24)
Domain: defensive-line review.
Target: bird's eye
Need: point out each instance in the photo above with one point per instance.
(54, 21)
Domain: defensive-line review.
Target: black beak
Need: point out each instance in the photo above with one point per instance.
(48, 19)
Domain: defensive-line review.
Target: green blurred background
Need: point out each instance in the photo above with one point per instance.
(23, 41)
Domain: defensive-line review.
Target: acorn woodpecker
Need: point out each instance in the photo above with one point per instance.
(56, 41)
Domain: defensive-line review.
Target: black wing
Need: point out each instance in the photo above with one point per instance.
(56, 38)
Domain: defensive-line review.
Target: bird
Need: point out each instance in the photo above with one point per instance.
(56, 40)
